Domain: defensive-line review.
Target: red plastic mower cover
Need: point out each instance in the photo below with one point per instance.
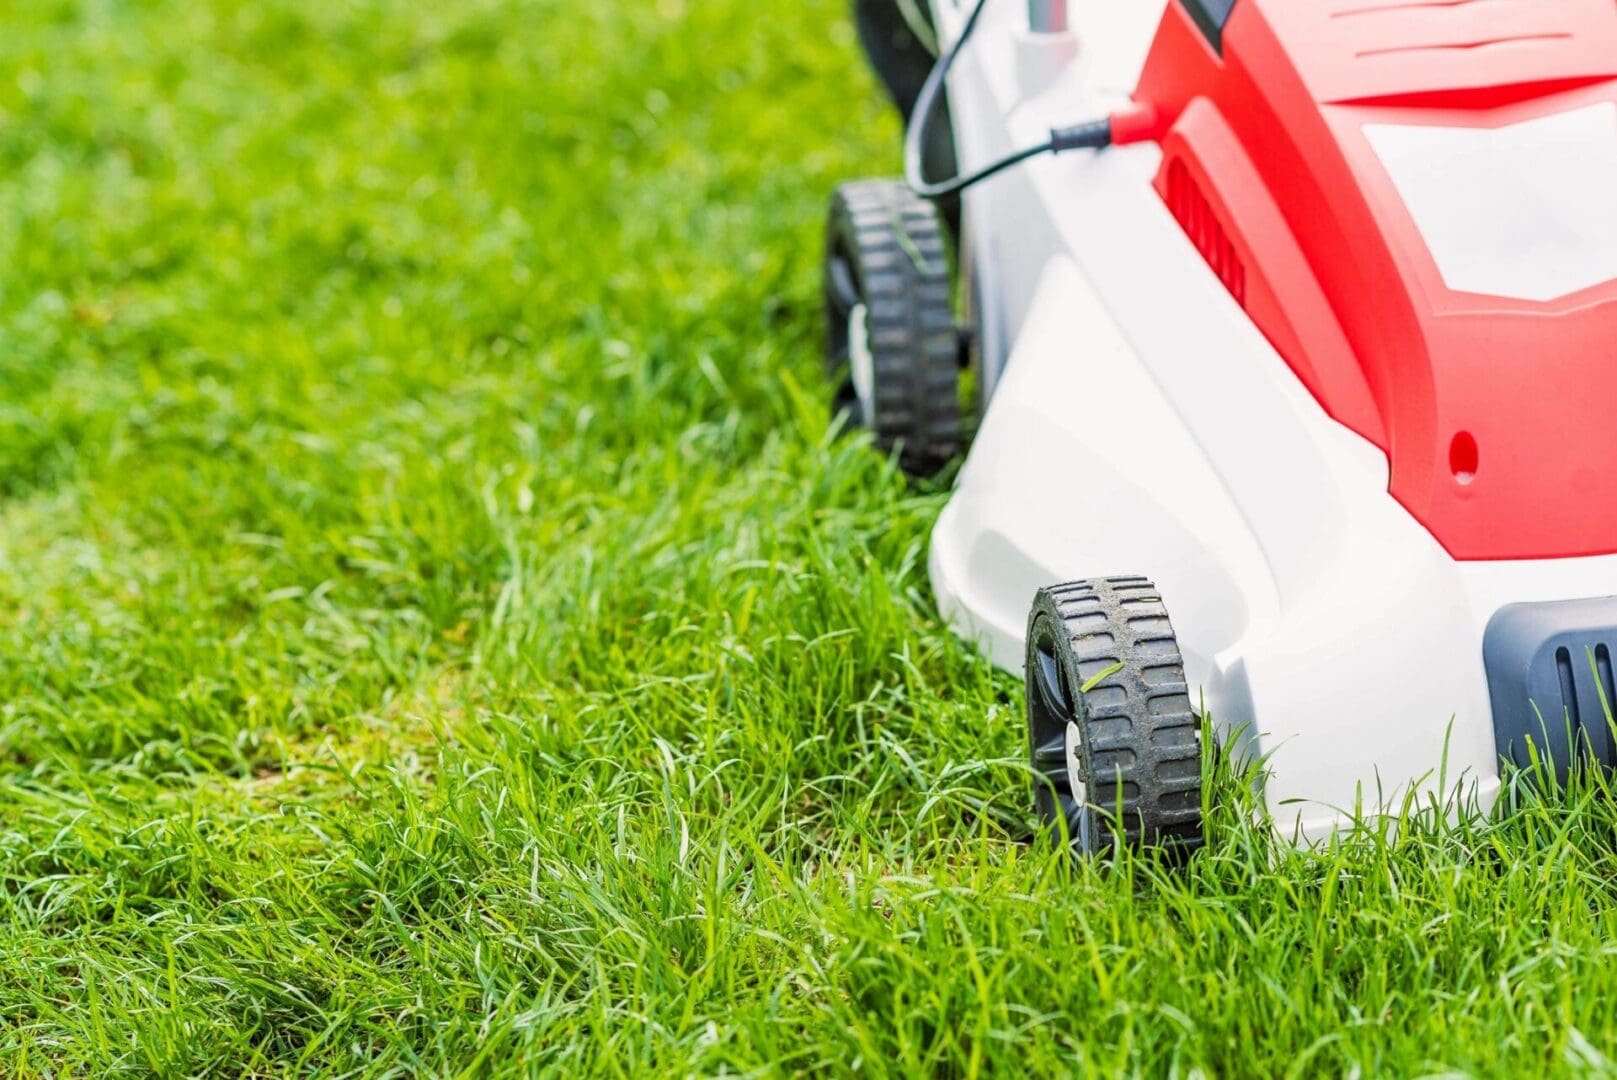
(1280, 121)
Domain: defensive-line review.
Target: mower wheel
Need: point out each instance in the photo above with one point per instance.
(1114, 740)
(892, 347)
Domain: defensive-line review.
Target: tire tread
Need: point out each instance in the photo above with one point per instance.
(896, 243)
(1139, 721)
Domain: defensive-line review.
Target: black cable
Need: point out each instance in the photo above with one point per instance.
(1093, 135)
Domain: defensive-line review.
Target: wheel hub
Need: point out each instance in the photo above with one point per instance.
(862, 362)
(1075, 773)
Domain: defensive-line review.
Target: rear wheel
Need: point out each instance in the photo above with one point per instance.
(892, 347)
(1112, 735)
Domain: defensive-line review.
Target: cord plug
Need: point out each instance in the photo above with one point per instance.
(1090, 135)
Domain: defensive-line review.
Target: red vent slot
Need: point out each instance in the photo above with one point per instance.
(1195, 215)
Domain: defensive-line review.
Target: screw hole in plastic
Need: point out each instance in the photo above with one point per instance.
(1463, 458)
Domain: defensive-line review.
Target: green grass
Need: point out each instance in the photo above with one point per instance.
(438, 633)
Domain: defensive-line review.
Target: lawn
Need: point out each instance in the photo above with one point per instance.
(440, 632)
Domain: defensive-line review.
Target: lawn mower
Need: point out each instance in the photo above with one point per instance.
(1293, 331)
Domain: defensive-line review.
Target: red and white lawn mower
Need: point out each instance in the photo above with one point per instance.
(1293, 320)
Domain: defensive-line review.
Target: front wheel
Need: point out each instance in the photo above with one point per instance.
(1112, 735)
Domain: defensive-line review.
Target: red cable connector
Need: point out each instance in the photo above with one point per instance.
(1139, 122)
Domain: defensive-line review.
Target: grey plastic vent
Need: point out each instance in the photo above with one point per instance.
(1551, 680)
(1210, 16)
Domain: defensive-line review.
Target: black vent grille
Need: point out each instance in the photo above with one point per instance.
(1210, 17)
(1550, 675)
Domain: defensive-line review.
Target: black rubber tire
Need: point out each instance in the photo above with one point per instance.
(900, 60)
(1138, 753)
(885, 249)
